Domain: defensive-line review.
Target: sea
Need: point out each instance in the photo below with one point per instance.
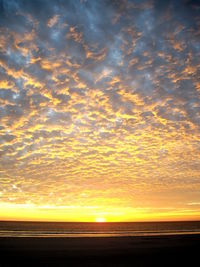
(106, 229)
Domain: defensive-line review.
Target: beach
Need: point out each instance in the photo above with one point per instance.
(169, 250)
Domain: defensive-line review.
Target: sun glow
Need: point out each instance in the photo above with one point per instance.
(100, 220)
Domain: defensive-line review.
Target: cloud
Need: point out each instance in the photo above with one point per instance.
(99, 102)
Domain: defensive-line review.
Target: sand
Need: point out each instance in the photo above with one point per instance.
(177, 250)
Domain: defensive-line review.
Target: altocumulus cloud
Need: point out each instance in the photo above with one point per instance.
(100, 102)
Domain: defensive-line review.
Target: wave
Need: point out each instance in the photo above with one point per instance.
(20, 233)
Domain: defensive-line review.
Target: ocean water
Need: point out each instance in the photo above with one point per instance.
(59, 229)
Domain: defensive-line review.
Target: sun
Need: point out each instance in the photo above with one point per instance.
(100, 220)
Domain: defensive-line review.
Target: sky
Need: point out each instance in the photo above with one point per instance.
(99, 110)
